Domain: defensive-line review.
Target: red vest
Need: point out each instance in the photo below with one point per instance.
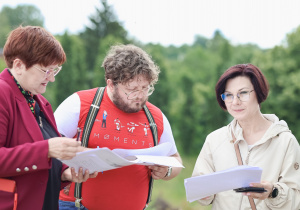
(127, 187)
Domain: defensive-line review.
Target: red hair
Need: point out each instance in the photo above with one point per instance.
(33, 45)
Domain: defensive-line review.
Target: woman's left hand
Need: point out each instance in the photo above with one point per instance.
(261, 196)
(70, 175)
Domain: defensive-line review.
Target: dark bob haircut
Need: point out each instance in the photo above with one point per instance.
(258, 80)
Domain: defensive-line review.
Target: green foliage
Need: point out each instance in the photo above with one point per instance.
(171, 194)
(162, 95)
(103, 23)
(281, 66)
(97, 76)
(73, 76)
(2, 64)
(11, 18)
(200, 41)
(193, 98)
(5, 29)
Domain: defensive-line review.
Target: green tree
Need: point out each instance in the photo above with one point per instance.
(281, 66)
(11, 18)
(223, 51)
(201, 41)
(103, 23)
(244, 53)
(2, 64)
(193, 99)
(98, 75)
(162, 94)
(5, 29)
(73, 76)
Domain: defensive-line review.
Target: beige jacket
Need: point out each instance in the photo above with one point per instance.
(277, 153)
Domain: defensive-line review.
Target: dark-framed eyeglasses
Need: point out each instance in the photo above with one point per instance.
(243, 95)
(134, 94)
(49, 72)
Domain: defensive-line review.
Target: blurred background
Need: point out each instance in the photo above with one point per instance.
(192, 42)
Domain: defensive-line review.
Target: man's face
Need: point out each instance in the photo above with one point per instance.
(123, 93)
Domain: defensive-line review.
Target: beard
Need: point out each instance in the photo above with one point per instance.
(125, 107)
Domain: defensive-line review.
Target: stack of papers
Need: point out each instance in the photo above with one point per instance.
(210, 184)
(103, 159)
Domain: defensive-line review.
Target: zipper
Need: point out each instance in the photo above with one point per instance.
(247, 158)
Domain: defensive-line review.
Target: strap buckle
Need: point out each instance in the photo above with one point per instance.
(77, 202)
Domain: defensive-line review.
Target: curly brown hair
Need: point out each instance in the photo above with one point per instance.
(124, 62)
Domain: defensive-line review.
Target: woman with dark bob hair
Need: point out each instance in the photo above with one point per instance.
(30, 144)
(262, 139)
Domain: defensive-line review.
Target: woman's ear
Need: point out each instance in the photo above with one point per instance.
(18, 66)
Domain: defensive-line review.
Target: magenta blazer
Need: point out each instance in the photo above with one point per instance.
(23, 151)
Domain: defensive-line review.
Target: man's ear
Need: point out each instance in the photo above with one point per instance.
(110, 85)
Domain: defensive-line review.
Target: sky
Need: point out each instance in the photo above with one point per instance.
(262, 22)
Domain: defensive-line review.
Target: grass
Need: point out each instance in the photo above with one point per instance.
(171, 195)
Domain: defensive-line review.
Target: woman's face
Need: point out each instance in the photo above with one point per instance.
(249, 107)
(34, 79)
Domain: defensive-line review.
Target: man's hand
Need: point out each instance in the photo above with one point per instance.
(158, 172)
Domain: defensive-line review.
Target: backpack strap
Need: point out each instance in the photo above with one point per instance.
(153, 128)
(86, 134)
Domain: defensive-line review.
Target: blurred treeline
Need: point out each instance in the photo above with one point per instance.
(185, 91)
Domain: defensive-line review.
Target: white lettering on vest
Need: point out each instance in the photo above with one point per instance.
(125, 140)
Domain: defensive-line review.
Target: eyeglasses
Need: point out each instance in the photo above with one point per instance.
(134, 94)
(50, 72)
(242, 96)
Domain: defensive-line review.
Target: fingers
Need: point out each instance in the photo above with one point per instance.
(94, 175)
(158, 172)
(83, 149)
(74, 175)
(256, 185)
(206, 198)
(80, 176)
(261, 196)
(63, 148)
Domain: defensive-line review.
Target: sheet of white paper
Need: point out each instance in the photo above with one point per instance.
(103, 159)
(209, 184)
(159, 150)
(158, 160)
